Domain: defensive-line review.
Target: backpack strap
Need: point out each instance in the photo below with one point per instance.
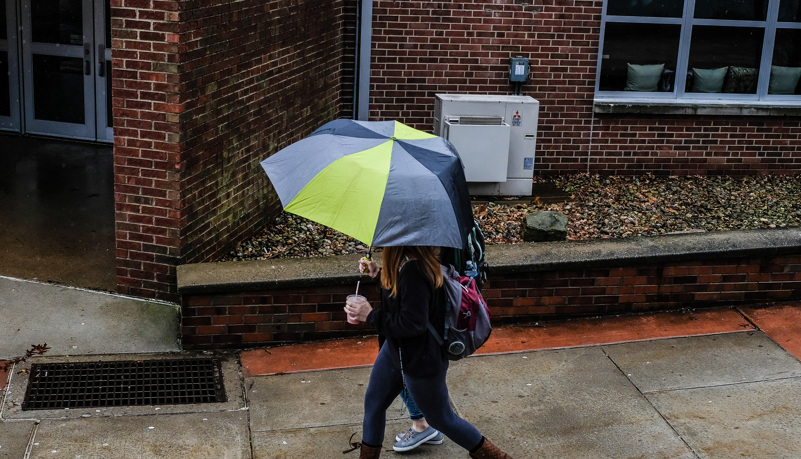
(430, 327)
(476, 243)
(471, 237)
(406, 259)
(441, 339)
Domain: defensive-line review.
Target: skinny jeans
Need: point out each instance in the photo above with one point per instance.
(429, 392)
(414, 411)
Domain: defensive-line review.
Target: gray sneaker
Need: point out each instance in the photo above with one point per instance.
(437, 440)
(412, 439)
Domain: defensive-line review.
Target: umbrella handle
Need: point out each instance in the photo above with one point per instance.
(368, 257)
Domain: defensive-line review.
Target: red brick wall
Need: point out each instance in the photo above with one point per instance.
(203, 90)
(421, 48)
(693, 145)
(253, 318)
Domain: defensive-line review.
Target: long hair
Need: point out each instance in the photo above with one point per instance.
(427, 256)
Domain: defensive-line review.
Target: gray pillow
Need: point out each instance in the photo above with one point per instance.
(709, 80)
(643, 77)
(783, 80)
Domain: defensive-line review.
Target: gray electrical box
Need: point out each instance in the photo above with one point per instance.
(483, 143)
(518, 69)
(495, 135)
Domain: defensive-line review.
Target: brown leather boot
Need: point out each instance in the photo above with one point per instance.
(489, 451)
(367, 452)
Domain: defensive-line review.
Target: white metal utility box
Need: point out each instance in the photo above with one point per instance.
(496, 137)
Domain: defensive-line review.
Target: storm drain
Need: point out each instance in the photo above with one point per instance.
(123, 383)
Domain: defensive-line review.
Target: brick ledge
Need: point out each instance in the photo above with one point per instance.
(511, 258)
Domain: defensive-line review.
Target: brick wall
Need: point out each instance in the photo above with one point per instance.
(692, 145)
(421, 48)
(254, 318)
(647, 287)
(202, 91)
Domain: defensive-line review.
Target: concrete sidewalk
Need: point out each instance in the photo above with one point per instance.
(632, 386)
(75, 321)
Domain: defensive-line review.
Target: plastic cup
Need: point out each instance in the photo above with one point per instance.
(355, 299)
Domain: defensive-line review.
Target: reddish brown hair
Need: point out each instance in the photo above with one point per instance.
(427, 256)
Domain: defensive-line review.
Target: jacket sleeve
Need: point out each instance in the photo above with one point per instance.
(411, 316)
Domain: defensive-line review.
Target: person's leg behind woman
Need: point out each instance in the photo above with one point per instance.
(431, 395)
(414, 411)
(420, 432)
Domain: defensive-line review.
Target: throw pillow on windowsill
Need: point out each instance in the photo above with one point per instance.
(667, 80)
(741, 80)
(783, 80)
(643, 77)
(709, 80)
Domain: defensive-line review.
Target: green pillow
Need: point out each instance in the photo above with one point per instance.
(709, 80)
(741, 80)
(643, 77)
(783, 80)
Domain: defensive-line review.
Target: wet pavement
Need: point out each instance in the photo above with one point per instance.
(73, 321)
(57, 212)
(714, 383)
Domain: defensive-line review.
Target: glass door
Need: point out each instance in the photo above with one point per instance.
(102, 104)
(9, 68)
(65, 68)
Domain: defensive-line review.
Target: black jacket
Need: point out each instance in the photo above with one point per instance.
(402, 321)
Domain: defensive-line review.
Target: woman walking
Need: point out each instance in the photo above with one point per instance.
(411, 295)
(420, 432)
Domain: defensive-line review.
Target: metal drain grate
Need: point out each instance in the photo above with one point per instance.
(123, 383)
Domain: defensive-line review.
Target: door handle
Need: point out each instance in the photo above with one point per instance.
(101, 60)
(87, 63)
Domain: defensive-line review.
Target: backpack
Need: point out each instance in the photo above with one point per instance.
(467, 321)
(469, 260)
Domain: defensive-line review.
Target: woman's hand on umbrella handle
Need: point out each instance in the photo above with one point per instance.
(368, 266)
(358, 309)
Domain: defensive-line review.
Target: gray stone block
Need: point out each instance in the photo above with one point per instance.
(545, 226)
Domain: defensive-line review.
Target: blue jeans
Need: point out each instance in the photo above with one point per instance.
(430, 393)
(414, 412)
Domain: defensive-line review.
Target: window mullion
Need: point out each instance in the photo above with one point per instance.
(684, 48)
(767, 49)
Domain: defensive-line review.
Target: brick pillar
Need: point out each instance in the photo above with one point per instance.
(147, 145)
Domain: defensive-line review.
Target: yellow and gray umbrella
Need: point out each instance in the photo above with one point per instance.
(381, 182)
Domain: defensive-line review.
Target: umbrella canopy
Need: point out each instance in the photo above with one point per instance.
(381, 182)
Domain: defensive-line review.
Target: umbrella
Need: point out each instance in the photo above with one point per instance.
(381, 182)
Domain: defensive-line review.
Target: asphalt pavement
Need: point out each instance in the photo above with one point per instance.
(716, 383)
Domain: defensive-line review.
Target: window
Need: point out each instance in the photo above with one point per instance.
(744, 51)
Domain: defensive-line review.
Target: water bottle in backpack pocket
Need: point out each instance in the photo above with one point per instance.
(467, 323)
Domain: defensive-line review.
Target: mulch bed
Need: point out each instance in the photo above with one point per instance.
(596, 207)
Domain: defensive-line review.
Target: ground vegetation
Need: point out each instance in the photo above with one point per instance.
(596, 207)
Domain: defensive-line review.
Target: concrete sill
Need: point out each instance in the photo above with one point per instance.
(507, 258)
(696, 107)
